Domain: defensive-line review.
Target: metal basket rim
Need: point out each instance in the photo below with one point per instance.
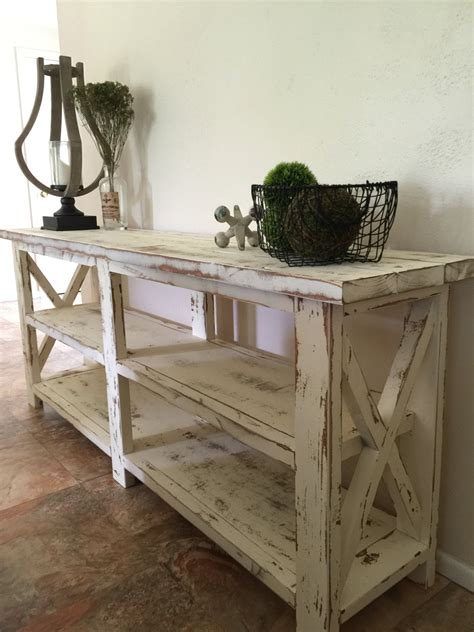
(388, 183)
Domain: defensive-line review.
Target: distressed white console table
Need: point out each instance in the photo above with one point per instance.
(250, 447)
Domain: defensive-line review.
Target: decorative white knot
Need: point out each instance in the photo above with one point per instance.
(238, 227)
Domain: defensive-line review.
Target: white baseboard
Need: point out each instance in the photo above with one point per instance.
(455, 570)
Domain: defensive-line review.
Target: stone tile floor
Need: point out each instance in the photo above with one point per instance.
(79, 553)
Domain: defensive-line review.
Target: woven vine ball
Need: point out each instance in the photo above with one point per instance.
(322, 222)
(277, 201)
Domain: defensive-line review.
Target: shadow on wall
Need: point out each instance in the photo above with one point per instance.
(263, 328)
(458, 433)
(432, 220)
(135, 161)
(246, 324)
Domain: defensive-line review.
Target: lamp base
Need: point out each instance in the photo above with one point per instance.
(69, 222)
(68, 217)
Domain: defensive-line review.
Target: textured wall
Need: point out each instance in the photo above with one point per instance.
(356, 90)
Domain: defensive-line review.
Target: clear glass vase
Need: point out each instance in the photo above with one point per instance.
(60, 163)
(113, 197)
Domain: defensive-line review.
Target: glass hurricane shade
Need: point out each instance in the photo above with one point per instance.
(60, 162)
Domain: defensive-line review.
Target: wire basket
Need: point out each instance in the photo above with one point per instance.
(324, 223)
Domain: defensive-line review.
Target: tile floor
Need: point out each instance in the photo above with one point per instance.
(81, 554)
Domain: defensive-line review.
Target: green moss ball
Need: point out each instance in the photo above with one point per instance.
(322, 223)
(277, 202)
(290, 174)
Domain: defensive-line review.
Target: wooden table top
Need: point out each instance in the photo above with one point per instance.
(196, 255)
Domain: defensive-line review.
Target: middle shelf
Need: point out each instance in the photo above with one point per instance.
(247, 393)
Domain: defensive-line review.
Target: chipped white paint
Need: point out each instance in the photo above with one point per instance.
(68, 299)
(393, 299)
(68, 392)
(206, 475)
(202, 311)
(372, 428)
(382, 423)
(28, 333)
(195, 256)
(269, 444)
(218, 287)
(80, 398)
(43, 282)
(378, 568)
(318, 445)
(256, 389)
(65, 324)
(118, 390)
(433, 441)
(428, 401)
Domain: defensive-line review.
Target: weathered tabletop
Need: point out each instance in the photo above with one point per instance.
(197, 256)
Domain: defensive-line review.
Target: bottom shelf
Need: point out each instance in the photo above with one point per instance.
(240, 498)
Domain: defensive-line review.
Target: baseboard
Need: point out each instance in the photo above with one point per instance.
(455, 570)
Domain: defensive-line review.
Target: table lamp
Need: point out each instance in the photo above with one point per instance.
(65, 155)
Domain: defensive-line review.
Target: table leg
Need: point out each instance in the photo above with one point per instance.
(318, 438)
(118, 390)
(423, 450)
(28, 333)
(202, 309)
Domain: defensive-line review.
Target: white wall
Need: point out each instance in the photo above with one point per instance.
(357, 90)
(25, 24)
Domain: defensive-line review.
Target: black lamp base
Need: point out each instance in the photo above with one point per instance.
(71, 222)
(69, 218)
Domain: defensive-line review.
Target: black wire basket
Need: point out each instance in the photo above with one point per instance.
(320, 224)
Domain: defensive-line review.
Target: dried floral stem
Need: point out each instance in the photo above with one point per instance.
(106, 112)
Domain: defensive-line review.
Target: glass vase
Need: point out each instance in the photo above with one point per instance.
(60, 163)
(113, 197)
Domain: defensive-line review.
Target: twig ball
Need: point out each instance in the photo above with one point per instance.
(322, 223)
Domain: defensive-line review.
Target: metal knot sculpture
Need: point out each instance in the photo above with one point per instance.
(238, 227)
